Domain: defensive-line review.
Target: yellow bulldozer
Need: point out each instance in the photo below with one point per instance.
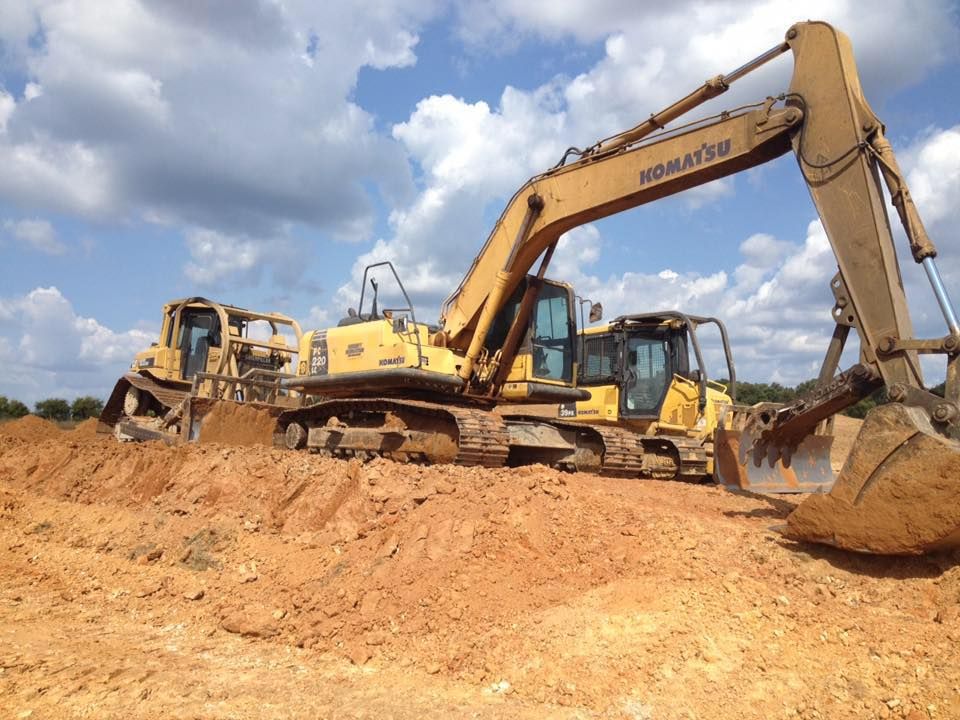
(205, 352)
(390, 385)
(637, 369)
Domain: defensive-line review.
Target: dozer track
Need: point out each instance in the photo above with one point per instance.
(629, 455)
(164, 398)
(398, 429)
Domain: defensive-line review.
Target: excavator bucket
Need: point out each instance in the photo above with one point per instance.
(898, 493)
(808, 470)
(737, 467)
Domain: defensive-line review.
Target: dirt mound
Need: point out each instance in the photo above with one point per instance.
(86, 429)
(527, 588)
(845, 430)
(30, 427)
(237, 424)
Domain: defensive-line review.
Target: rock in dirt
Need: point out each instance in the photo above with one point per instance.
(150, 588)
(359, 654)
(194, 594)
(251, 622)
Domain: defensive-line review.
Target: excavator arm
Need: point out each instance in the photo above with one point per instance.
(844, 156)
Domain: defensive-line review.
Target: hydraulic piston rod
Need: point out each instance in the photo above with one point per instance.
(943, 299)
(710, 89)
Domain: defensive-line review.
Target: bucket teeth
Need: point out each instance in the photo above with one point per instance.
(805, 469)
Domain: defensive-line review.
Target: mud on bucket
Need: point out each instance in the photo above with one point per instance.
(897, 494)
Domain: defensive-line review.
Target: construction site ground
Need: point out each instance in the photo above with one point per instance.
(219, 581)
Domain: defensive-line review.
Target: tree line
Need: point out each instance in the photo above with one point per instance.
(56, 409)
(752, 393)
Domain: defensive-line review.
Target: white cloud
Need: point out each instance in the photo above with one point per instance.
(217, 257)
(202, 114)
(934, 175)
(47, 349)
(221, 260)
(7, 106)
(36, 234)
(68, 176)
(474, 155)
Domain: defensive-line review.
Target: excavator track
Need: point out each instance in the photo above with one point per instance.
(482, 437)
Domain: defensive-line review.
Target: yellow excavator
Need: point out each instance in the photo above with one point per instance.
(394, 386)
(205, 351)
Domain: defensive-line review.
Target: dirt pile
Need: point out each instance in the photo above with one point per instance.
(528, 588)
(30, 427)
(845, 430)
(236, 424)
(87, 428)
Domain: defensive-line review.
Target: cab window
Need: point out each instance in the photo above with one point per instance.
(552, 339)
(599, 362)
(648, 373)
(198, 333)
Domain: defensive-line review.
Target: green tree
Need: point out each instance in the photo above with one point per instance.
(86, 407)
(12, 408)
(53, 409)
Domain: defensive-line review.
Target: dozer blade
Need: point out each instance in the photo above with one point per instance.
(807, 471)
(898, 493)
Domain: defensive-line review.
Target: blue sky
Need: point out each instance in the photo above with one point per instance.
(262, 153)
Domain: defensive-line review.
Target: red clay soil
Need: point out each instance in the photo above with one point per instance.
(30, 427)
(235, 424)
(215, 581)
(87, 428)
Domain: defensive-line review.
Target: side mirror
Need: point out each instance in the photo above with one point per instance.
(400, 324)
(696, 376)
(596, 312)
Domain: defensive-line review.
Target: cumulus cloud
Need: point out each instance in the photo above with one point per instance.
(474, 155)
(36, 234)
(231, 116)
(221, 260)
(47, 349)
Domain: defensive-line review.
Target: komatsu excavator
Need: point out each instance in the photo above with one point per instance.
(205, 351)
(394, 386)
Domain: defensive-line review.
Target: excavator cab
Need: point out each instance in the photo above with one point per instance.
(544, 362)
